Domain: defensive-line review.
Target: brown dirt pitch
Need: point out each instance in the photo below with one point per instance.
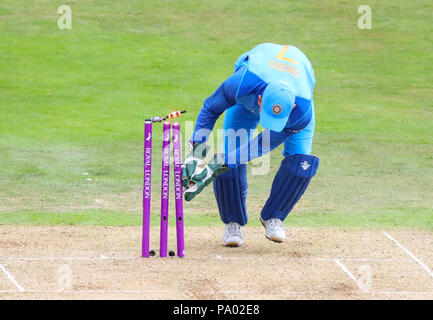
(314, 263)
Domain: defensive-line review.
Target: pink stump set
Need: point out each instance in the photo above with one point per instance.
(165, 184)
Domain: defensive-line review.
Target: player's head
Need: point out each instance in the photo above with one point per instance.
(276, 104)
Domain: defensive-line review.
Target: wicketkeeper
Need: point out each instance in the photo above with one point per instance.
(272, 85)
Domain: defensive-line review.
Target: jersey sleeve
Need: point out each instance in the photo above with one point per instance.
(223, 98)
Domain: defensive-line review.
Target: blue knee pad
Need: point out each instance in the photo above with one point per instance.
(230, 189)
(289, 185)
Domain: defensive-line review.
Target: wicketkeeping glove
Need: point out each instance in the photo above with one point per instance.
(194, 160)
(202, 178)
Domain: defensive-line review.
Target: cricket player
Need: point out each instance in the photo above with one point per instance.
(272, 85)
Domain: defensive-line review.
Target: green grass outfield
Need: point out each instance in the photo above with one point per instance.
(72, 104)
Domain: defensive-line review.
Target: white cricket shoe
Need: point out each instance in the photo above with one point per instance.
(274, 229)
(233, 236)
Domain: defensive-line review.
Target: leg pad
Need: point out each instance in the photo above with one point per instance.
(289, 185)
(230, 189)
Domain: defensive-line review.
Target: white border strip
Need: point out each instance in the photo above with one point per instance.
(410, 254)
(351, 276)
(11, 278)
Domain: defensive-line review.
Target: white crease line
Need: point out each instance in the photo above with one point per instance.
(11, 278)
(347, 271)
(410, 254)
(218, 257)
(188, 258)
(68, 258)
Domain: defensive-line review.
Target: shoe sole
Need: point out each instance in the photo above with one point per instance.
(232, 244)
(277, 240)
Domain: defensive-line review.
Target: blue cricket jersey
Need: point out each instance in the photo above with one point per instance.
(253, 70)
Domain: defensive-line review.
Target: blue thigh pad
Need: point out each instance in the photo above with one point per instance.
(302, 141)
(230, 189)
(289, 185)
